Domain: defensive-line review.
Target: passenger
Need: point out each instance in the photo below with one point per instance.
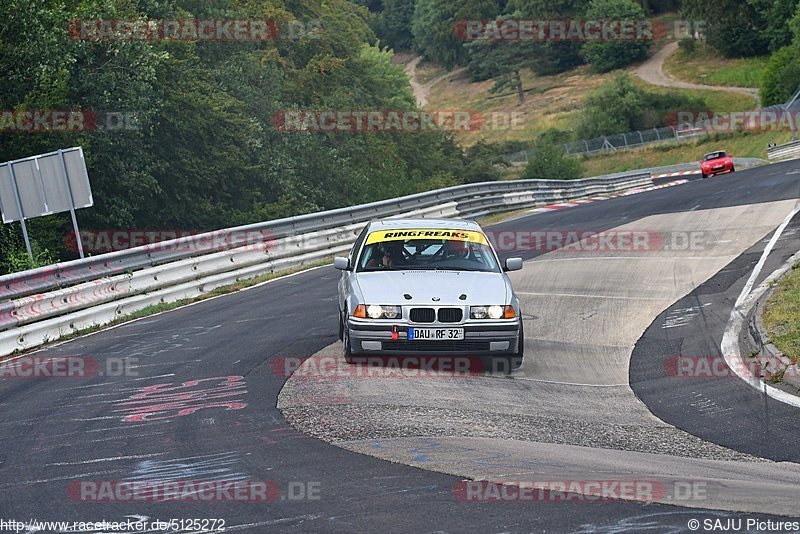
(392, 256)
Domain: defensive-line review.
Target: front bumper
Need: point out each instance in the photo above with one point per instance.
(481, 338)
(712, 171)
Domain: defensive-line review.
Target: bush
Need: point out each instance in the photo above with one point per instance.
(618, 106)
(14, 257)
(687, 45)
(612, 108)
(549, 163)
(781, 77)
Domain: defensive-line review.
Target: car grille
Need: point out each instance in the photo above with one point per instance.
(450, 315)
(436, 346)
(423, 315)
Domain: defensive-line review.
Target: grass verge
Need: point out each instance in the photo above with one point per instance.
(741, 145)
(706, 66)
(782, 315)
(718, 101)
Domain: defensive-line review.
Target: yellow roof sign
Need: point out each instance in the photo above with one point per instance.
(425, 233)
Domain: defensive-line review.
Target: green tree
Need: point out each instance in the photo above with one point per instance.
(393, 24)
(205, 153)
(614, 54)
(552, 57)
(435, 27)
(782, 76)
(612, 108)
(735, 28)
(501, 60)
(778, 31)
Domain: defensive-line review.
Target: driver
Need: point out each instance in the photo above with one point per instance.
(456, 249)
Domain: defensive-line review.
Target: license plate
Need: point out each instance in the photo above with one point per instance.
(435, 334)
(717, 167)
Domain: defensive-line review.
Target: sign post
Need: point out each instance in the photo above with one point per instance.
(21, 213)
(71, 203)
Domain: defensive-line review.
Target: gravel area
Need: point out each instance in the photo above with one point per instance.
(339, 423)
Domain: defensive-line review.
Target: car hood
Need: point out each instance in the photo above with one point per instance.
(423, 286)
(717, 161)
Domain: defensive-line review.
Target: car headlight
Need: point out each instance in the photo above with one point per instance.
(375, 311)
(494, 311)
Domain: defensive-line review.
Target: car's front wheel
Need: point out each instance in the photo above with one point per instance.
(521, 343)
(507, 364)
(347, 349)
(733, 169)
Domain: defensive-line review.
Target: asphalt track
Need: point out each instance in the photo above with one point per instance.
(58, 431)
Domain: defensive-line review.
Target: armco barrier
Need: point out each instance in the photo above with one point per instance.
(786, 151)
(46, 303)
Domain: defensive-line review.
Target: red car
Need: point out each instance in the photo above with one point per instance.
(716, 163)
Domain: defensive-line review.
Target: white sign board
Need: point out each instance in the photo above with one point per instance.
(44, 185)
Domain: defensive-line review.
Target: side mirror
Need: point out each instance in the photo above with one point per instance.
(513, 264)
(343, 264)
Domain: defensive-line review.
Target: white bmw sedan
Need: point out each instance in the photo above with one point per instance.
(428, 286)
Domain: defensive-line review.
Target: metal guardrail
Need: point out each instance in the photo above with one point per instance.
(45, 303)
(786, 151)
(69, 273)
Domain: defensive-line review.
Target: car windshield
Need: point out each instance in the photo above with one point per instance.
(714, 155)
(427, 250)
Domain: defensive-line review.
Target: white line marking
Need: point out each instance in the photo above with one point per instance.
(760, 265)
(100, 460)
(730, 340)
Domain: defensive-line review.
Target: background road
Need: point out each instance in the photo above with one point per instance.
(652, 71)
(57, 431)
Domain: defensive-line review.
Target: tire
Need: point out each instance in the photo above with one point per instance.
(508, 363)
(703, 175)
(341, 327)
(347, 349)
(733, 169)
(521, 343)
